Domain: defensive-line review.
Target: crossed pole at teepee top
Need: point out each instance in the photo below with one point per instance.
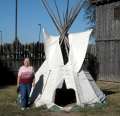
(63, 22)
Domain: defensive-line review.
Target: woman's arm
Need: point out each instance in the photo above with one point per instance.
(33, 83)
(18, 79)
(18, 76)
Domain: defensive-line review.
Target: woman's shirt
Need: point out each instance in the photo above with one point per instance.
(26, 74)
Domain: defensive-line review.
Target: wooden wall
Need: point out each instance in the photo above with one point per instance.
(108, 41)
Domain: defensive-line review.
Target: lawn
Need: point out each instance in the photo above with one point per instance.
(8, 105)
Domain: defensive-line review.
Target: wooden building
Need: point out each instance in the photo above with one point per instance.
(108, 39)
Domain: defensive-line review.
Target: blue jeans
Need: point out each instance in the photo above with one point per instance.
(25, 92)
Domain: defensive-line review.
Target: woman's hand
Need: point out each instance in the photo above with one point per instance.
(18, 89)
(33, 84)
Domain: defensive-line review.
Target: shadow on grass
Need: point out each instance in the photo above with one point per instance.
(108, 92)
(7, 77)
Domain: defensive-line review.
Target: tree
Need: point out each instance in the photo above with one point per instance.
(90, 15)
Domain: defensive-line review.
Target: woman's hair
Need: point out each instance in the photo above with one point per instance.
(27, 60)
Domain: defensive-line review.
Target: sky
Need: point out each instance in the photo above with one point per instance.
(30, 14)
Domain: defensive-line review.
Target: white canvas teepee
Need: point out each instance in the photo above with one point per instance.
(53, 73)
(64, 58)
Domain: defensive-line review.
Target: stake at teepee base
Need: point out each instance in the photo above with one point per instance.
(64, 58)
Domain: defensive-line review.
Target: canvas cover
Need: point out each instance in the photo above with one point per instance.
(78, 47)
(53, 73)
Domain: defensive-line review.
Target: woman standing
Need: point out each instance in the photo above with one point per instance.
(25, 80)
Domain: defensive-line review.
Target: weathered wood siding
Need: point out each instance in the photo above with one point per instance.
(108, 42)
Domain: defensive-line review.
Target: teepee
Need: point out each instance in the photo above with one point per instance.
(64, 58)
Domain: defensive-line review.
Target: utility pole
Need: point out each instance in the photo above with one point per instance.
(39, 32)
(1, 37)
(0, 42)
(16, 20)
(40, 50)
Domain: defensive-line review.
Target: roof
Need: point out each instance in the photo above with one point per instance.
(93, 1)
(102, 2)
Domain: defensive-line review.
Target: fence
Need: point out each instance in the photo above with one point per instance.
(12, 55)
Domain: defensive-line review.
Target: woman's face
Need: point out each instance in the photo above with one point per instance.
(27, 62)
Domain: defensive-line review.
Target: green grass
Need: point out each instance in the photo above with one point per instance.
(8, 106)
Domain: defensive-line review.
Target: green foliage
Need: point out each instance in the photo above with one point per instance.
(90, 13)
(55, 108)
(88, 108)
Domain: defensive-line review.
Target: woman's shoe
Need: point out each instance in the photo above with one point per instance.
(22, 108)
